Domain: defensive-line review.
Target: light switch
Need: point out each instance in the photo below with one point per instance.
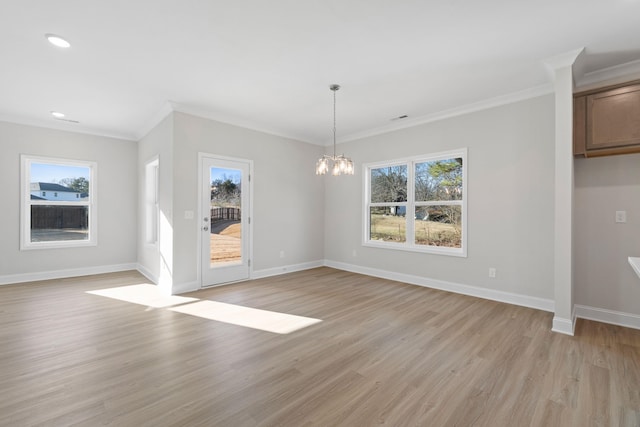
(188, 214)
(621, 216)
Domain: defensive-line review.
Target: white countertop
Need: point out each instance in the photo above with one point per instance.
(635, 263)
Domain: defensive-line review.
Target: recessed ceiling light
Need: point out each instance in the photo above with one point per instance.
(57, 40)
(61, 116)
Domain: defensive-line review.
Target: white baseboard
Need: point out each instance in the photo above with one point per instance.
(561, 325)
(475, 291)
(147, 273)
(565, 326)
(177, 288)
(268, 272)
(181, 288)
(618, 318)
(61, 274)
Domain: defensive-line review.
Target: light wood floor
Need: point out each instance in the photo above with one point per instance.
(384, 353)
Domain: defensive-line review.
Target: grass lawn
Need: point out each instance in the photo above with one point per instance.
(390, 228)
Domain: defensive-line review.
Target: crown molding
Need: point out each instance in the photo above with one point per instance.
(234, 121)
(572, 58)
(154, 121)
(610, 75)
(65, 127)
(497, 101)
(563, 60)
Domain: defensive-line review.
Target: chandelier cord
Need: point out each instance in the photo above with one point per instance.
(334, 123)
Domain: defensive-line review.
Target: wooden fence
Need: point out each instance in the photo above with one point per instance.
(59, 217)
(219, 214)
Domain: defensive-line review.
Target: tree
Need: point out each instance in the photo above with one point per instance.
(439, 180)
(448, 173)
(81, 185)
(389, 184)
(225, 192)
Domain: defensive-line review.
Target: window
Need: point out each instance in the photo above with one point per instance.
(152, 207)
(417, 204)
(68, 217)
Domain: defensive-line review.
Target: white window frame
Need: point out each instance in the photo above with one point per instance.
(26, 203)
(410, 204)
(151, 201)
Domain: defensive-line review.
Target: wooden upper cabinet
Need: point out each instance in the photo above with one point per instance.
(613, 118)
(606, 121)
(579, 125)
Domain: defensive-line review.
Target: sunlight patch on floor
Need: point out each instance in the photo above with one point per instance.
(143, 294)
(270, 321)
(264, 320)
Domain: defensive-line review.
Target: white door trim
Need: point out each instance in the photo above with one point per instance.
(198, 223)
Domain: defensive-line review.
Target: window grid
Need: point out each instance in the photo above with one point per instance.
(411, 205)
(88, 205)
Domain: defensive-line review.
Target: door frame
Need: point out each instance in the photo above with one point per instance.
(198, 223)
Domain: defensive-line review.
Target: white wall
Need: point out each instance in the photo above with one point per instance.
(117, 205)
(288, 198)
(510, 200)
(603, 277)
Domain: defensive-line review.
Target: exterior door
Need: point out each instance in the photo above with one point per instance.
(224, 220)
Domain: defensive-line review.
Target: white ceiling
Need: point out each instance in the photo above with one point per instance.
(268, 65)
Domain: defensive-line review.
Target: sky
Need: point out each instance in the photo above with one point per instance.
(52, 173)
(223, 174)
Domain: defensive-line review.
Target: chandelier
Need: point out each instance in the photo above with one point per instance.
(339, 165)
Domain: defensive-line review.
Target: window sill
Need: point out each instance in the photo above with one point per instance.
(434, 250)
(57, 245)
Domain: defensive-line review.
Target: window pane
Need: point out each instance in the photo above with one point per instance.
(152, 211)
(59, 223)
(226, 217)
(388, 224)
(58, 182)
(389, 184)
(439, 180)
(439, 226)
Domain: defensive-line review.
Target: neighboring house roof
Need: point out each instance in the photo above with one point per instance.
(37, 198)
(47, 186)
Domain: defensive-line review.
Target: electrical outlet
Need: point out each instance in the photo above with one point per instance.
(492, 272)
(621, 216)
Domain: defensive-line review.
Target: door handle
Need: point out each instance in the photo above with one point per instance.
(205, 228)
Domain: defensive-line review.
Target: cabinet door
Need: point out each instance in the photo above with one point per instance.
(579, 125)
(613, 118)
